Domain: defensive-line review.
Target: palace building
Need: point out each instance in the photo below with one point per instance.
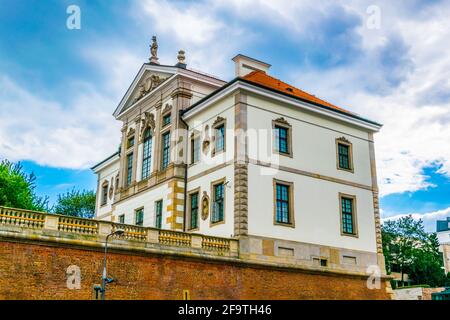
(292, 176)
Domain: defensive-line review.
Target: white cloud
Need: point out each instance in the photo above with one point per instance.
(73, 136)
(409, 94)
(428, 218)
(196, 27)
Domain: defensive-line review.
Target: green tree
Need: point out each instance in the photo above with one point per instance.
(76, 203)
(408, 248)
(17, 188)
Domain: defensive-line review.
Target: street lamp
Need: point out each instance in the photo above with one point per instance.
(118, 232)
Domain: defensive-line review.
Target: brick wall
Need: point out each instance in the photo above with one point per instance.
(29, 270)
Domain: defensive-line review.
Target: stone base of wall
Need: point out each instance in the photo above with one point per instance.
(38, 270)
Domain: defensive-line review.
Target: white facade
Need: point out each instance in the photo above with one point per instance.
(443, 235)
(248, 169)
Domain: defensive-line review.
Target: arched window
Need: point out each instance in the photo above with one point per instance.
(146, 160)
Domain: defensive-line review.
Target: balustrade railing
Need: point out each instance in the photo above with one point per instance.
(22, 218)
(77, 225)
(173, 238)
(130, 232)
(213, 243)
(98, 228)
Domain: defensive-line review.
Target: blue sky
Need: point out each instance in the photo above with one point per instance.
(59, 87)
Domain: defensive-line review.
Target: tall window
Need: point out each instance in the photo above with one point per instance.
(104, 194)
(129, 168)
(158, 214)
(147, 156)
(165, 149)
(281, 139)
(193, 208)
(283, 208)
(348, 215)
(220, 138)
(122, 218)
(344, 154)
(218, 203)
(139, 217)
(195, 149)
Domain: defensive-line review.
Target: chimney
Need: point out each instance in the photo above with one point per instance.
(243, 65)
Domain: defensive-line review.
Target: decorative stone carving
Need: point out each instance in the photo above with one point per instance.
(111, 189)
(283, 121)
(167, 108)
(181, 57)
(147, 85)
(206, 141)
(154, 51)
(147, 122)
(205, 206)
(130, 132)
(218, 120)
(343, 139)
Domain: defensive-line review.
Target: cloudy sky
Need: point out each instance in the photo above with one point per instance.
(386, 60)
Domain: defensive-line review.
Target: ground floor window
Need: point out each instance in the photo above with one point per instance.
(139, 217)
(158, 214)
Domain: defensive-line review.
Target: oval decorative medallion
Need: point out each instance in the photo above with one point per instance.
(205, 206)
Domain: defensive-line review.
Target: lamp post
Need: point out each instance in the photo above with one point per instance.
(104, 277)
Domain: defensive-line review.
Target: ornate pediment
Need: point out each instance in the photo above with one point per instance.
(149, 79)
(218, 120)
(148, 83)
(343, 139)
(282, 121)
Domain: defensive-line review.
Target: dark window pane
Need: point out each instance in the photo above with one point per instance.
(139, 217)
(220, 138)
(147, 156)
(344, 156)
(158, 216)
(218, 203)
(347, 215)
(166, 119)
(282, 203)
(194, 210)
(129, 168)
(281, 139)
(166, 150)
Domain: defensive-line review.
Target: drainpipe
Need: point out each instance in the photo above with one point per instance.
(185, 173)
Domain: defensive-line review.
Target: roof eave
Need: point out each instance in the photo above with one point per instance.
(375, 126)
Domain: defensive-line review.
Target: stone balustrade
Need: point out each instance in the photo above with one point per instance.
(40, 226)
(97, 230)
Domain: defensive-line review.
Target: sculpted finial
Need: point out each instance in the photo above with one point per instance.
(154, 51)
(181, 59)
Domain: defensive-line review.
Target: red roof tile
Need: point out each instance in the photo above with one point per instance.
(263, 79)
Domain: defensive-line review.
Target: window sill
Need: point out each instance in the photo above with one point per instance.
(353, 235)
(281, 224)
(289, 155)
(215, 153)
(213, 224)
(346, 170)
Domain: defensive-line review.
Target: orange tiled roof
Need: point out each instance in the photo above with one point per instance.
(263, 79)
